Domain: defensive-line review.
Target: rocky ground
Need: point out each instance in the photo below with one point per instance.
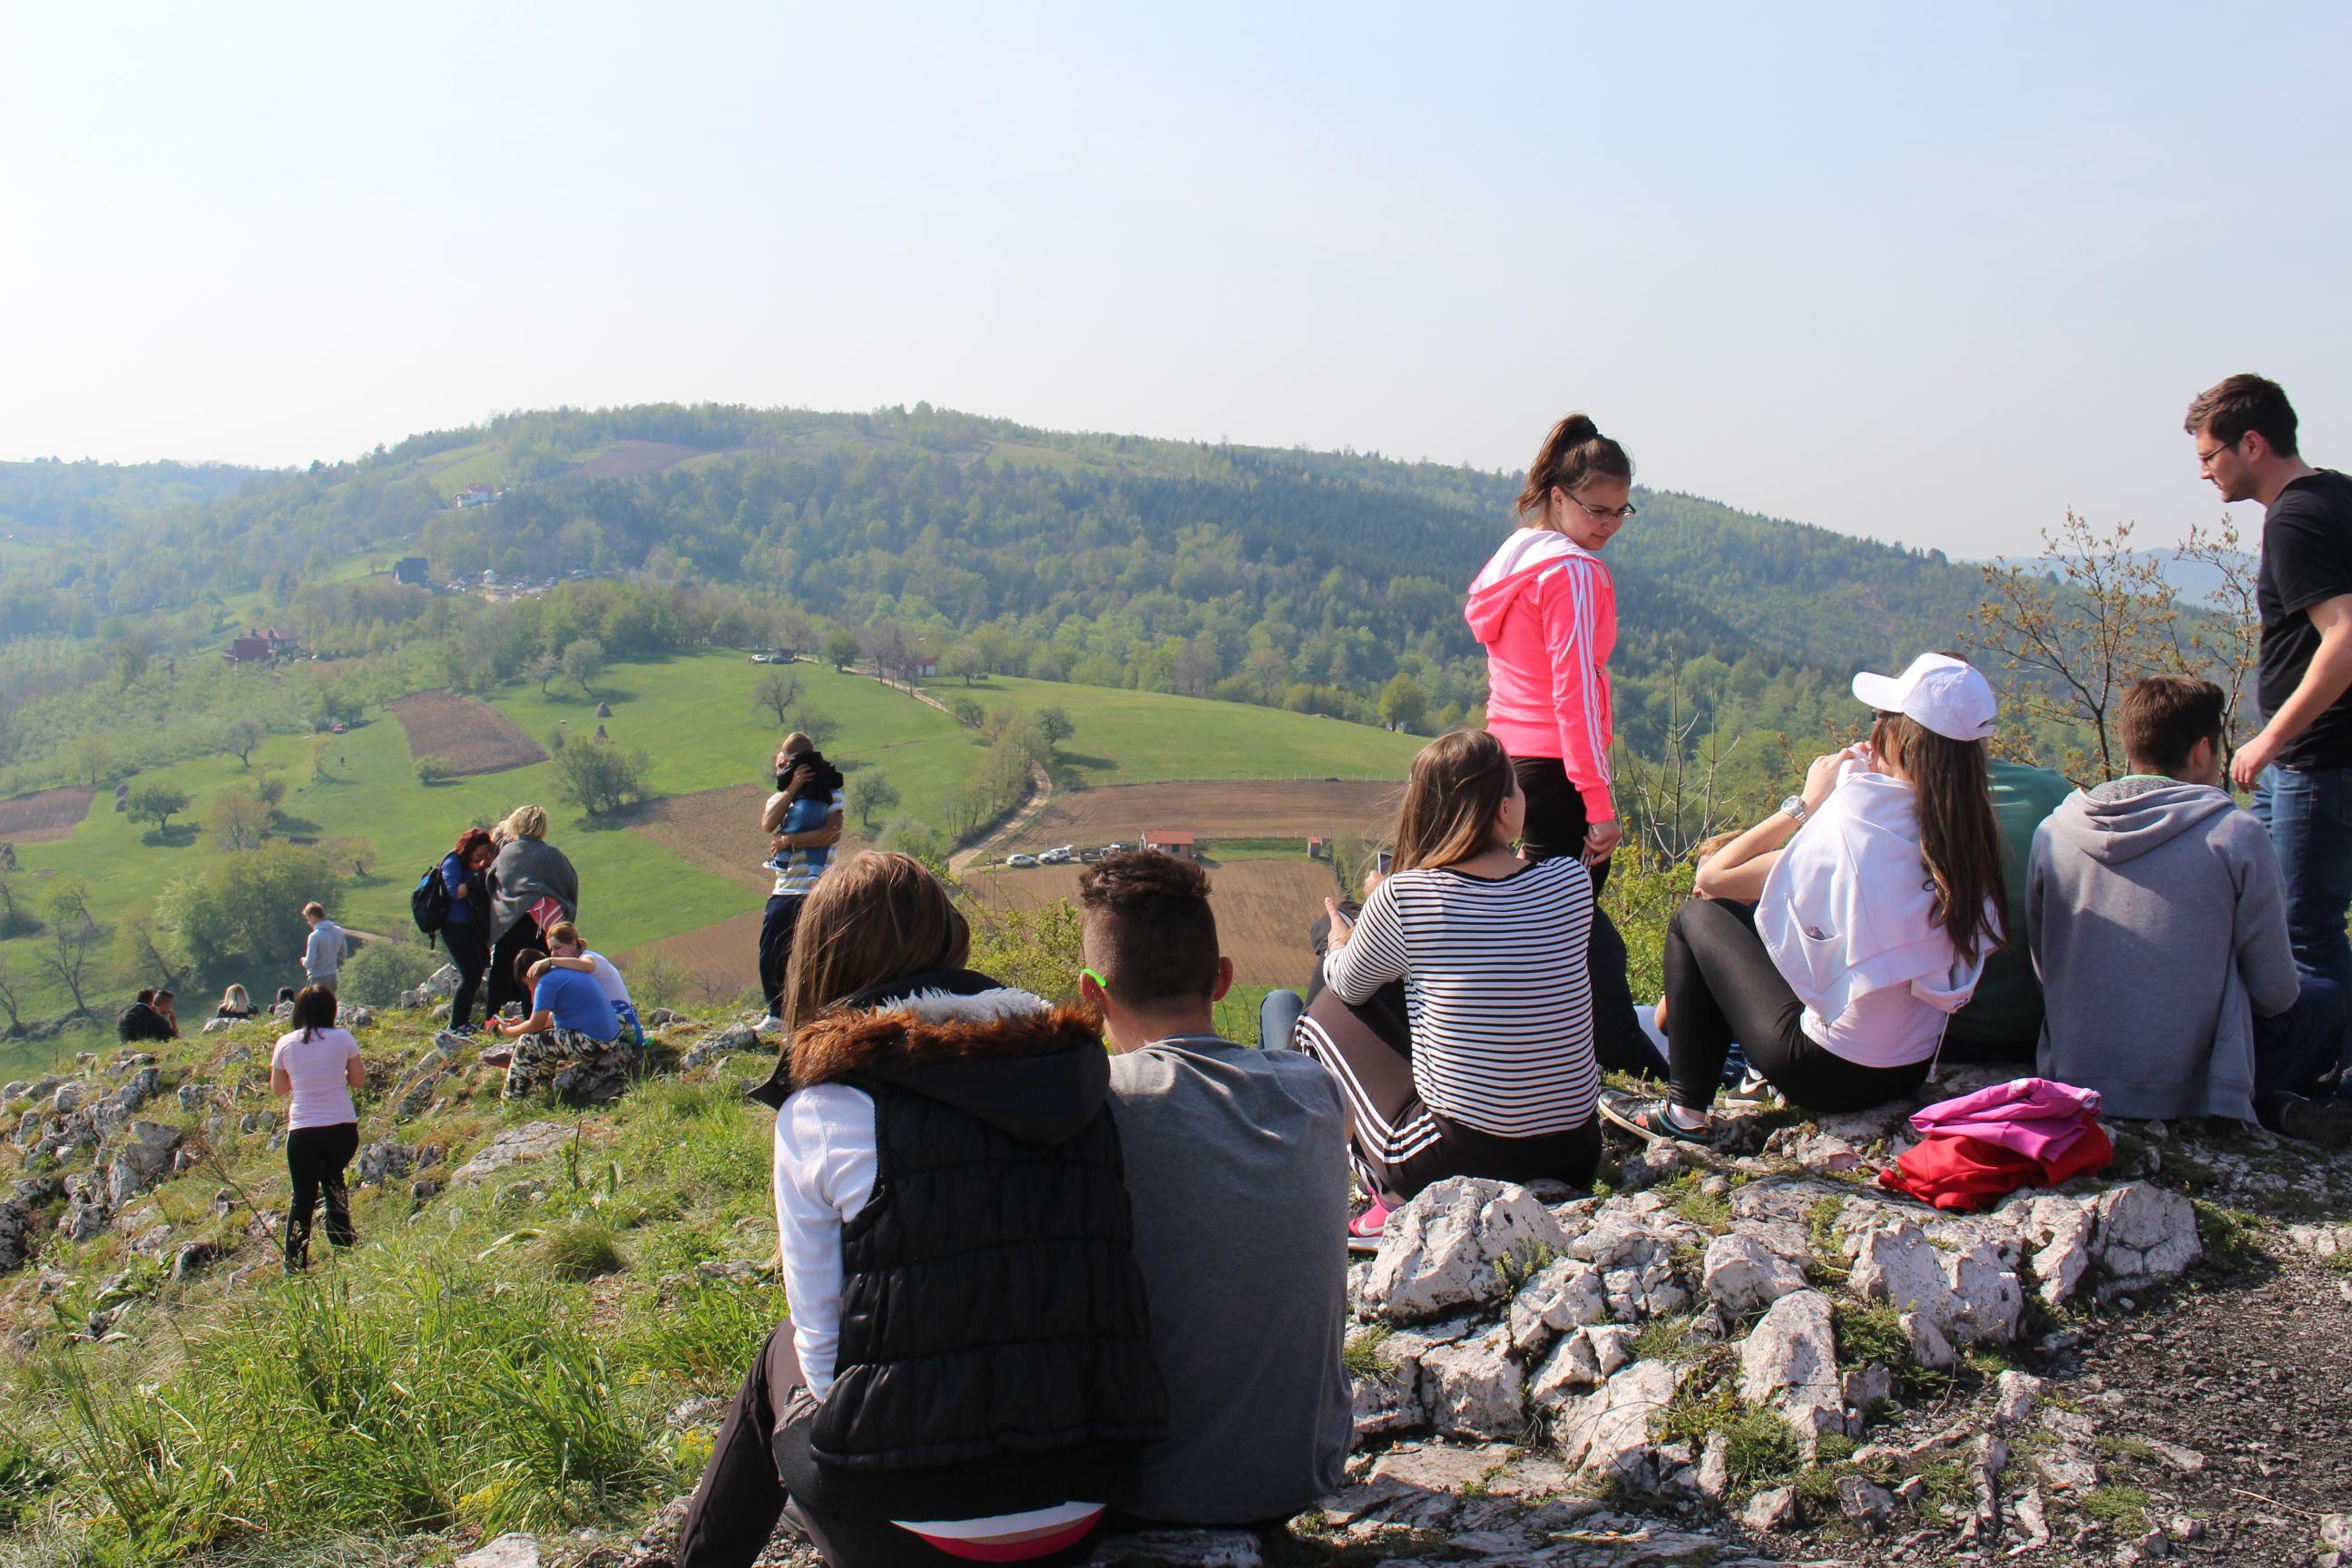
(1743, 1354)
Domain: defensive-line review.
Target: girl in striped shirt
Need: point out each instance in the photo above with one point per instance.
(1500, 1081)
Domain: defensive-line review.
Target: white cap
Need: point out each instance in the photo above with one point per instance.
(1944, 694)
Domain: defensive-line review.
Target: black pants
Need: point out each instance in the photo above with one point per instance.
(470, 950)
(776, 927)
(1721, 987)
(739, 1501)
(315, 1158)
(2298, 1051)
(1555, 826)
(503, 986)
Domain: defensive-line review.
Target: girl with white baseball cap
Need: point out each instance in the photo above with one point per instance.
(1876, 893)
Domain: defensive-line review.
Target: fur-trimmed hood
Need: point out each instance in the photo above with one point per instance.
(1035, 1071)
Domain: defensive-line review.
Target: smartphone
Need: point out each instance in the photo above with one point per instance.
(1381, 862)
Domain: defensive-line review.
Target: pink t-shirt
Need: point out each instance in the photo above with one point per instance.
(323, 1095)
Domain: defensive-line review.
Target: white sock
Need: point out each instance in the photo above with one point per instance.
(1688, 1121)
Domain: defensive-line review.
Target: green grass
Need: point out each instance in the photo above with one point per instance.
(1142, 737)
(2123, 1509)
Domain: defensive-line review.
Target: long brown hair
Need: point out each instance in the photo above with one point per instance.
(1457, 788)
(874, 918)
(1959, 836)
(1574, 452)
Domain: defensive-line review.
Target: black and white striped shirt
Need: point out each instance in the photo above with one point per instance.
(1496, 990)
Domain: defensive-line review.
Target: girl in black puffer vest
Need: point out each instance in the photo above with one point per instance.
(968, 1370)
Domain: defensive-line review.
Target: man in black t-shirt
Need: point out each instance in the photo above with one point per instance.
(2300, 763)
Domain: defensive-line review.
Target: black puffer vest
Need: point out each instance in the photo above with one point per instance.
(995, 1342)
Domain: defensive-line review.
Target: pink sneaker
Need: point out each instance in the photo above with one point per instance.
(1364, 1231)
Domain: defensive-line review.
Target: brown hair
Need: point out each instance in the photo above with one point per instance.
(1959, 838)
(2243, 403)
(1574, 452)
(317, 910)
(1148, 927)
(469, 842)
(874, 918)
(314, 1009)
(565, 931)
(1457, 790)
(523, 962)
(2164, 717)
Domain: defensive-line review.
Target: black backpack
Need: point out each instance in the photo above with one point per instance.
(428, 902)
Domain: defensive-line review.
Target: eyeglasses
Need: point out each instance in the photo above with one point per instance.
(1605, 513)
(2205, 459)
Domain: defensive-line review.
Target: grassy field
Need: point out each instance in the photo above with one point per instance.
(692, 713)
(1139, 737)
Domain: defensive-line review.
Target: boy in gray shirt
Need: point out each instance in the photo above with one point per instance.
(1237, 1172)
(322, 952)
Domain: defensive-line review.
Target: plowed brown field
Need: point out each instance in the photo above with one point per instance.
(1221, 809)
(50, 814)
(1263, 908)
(475, 737)
(627, 459)
(719, 830)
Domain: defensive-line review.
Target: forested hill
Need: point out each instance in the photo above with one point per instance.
(1305, 579)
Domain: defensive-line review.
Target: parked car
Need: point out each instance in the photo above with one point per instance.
(764, 658)
(1021, 859)
(341, 728)
(1054, 857)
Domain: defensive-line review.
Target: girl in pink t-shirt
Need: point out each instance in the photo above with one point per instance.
(317, 1066)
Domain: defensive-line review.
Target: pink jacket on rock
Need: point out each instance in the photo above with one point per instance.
(1546, 611)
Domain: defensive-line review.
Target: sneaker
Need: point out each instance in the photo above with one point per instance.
(498, 1056)
(1754, 1089)
(2328, 1122)
(770, 1024)
(1647, 1120)
(1364, 1231)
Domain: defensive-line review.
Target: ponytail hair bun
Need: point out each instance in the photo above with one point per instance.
(1573, 453)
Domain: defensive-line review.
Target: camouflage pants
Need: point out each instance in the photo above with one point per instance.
(578, 1067)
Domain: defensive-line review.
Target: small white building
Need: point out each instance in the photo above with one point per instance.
(489, 578)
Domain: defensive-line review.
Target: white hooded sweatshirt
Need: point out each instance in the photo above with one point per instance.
(1848, 915)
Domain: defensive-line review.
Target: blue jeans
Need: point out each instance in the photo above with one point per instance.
(2309, 814)
(1277, 1018)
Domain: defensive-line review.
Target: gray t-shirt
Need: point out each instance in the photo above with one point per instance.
(1237, 1171)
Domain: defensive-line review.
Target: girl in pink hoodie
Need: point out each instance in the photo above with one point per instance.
(1546, 611)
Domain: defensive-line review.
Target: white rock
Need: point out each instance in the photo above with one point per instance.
(1612, 1346)
(1609, 1432)
(1988, 1301)
(2015, 1396)
(1714, 1479)
(1789, 1363)
(68, 1098)
(1183, 1548)
(1472, 1389)
(2060, 1230)
(1564, 1294)
(1772, 1511)
(2146, 1233)
(217, 1025)
(1438, 1467)
(1743, 1275)
(510, 1551)
(1572, 1368)
(1440, 1249)
(513, 1146)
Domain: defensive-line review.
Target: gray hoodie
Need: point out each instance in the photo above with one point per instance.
(2157, 919)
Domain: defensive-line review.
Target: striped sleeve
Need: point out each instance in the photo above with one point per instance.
(1572, 608)
(1374, 953)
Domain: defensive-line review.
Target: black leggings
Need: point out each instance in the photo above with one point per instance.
(739, 1499)
(503, 986)
(471, 951)
(777, 923)
(1721, 987)
(315, 1158)
(1555, 826)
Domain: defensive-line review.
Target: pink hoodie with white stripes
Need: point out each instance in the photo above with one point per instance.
(1546, 611)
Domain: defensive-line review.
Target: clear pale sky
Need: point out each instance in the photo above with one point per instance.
(1933, 274)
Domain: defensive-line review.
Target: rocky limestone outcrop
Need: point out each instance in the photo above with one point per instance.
(1442, 1249)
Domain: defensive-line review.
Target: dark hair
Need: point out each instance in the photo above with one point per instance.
(878, 917)
(1148, 927)
(523, 961)
(2163, 718)
(2244, 403)
(471, 840)
(314, 1009)
(817, 776)
(1574, 452)
(146, 996)
(1959, 838)
(1457, 788)
(286, 994)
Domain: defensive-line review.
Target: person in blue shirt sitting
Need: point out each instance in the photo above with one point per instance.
(572, 1041)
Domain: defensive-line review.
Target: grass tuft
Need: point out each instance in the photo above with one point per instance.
(582, 1249)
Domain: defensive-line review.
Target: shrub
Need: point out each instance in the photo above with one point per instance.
(435, 770)
(379, 971)
(582, 1249)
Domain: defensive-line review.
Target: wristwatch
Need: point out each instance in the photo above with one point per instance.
(1795, 807)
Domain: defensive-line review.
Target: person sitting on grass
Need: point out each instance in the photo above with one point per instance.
(1501, 1079)
(1237, 1167)
(140, 1021)
(569, 1043)
(966, 1375)
(2157, 914)
(1839, 985)
(567, 950)
(235, 1002)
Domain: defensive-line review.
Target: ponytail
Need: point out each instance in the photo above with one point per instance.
(1959, 838)
(1574, 452)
